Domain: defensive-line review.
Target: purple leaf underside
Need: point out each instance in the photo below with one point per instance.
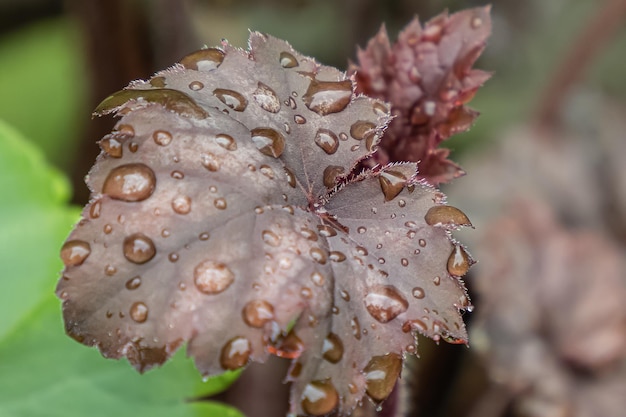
(224, 209)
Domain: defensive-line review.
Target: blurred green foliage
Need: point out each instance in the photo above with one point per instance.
(43, 81)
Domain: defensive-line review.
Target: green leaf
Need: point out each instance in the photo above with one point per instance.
(43, 80)
(42, 371)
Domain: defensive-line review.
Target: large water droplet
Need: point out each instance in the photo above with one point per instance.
(162, 137)
(181, 204)
(446, 216)
(210, 161)
(257, 312)
(327, 140)
(459, 261)
(385, 303)
(269, 141)
(139, 312)
(287, 60)
(203, 60)
(138, 248)
(74, 252)
(381, 374)
(332, 349)
(235, 353)
(130, 182)
(212, 277)
(362, 129)
(325, 97)
(226, 141)
(331, 173)
(319, 398)
(266, 98)
(231, 98)
(392, 183)
(270, 238)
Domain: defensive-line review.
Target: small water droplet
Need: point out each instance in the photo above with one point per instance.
(74, 252)
(385, 303)
(361, 251)
(299, 119)
(345, 295)
(231, 98)
(332, 349)
(401, 203)
(306, 293)
(319, 398)
(130, 182)
(220, 203)
(111, 146)
(270, 238)
(235, 353)
(226, 141)
(158, 82)
(269, 141)
(381, 374)
(418, 292)
(133, 283)
(287, 60)
(162, 137)
(318, 255)
(432, 32)
(381, 261)
(361, 229)
(107, 229)
(267, 171)
(380, 109)
(337, 256)
(257, 312)
(173, 257)
(326, 97)
(318, 279)
(138, 248)
(413, 325)
(212, 277)
(422, 243)
(266, 98)
(308, 234)
(476, 22)
(392, 183)
(110, 270)
(327, 141)
(139, 312)
(362, 129)
(291, 103)
(326, 231)
(177, 175)
(165, 232)
(437, 280)
(331, 173)
(459, 262)
(259, 210)
(291, 178)
(203, 59)
(356, 328)
(196, 86)
(210, 161)
(181, 204)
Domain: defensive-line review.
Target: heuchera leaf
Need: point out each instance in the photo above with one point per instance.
(225, 213)
(427, 77)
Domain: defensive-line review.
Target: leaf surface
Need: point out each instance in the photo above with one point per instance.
(225, 208)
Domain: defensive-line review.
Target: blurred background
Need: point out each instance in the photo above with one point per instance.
(546, 183)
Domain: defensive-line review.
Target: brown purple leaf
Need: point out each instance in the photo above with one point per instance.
(427, 77)
(223, 211)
